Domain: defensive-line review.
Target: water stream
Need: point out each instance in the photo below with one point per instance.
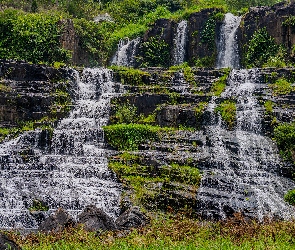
(244, 165)
(180, 41)
(228, 49)
(126, 52)
(72, 172)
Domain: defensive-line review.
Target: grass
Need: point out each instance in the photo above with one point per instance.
(219, 85)
(281, 87)
(227, 109)
(168, 231)
(268, 105)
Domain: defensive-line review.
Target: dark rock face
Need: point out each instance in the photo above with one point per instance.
(131, 218)
(7, 244)
(272, 19)
(27, 90)
(57, 222)
(95, 219)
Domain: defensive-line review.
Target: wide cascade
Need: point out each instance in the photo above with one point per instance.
(126, 52)
(244, 168)
(71, 171)
(180, 40)
(228, 50)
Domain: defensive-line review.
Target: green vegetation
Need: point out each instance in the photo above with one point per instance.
(38, 206)
(227, 109)
(149, 184)
(130, 136)
(219, 85)
(168, 231)
(130, 76)
(284, 135)
(281, 87)
(290, 197)
(32, 37)
(268, 105)
(261, 47)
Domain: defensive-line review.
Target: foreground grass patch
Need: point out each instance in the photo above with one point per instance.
(172, 232)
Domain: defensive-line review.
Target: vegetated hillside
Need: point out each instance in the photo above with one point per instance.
(31, 30)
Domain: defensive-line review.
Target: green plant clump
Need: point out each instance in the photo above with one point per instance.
(281, 87)
(130, 136)
(290, 197)
(227, 110)
(284, 135)
(219, 85)
(260, 48)
(130, 76)
(268, 105)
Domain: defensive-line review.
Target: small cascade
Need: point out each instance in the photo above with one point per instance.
(72, 172)
(228, 50)
(244, 166)
(126, 52)
(180, 40)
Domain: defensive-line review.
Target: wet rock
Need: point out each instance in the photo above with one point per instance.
(95, 219)
(131, 218)
(7, 244)
(57, 222)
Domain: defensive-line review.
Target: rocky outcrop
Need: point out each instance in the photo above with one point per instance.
(95, 219)
(131, 218)
(27, 91)
(7, 244)
(272, 18)
(57, 222)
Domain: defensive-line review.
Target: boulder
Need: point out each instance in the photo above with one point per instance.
(57, 221)
(95, 219)
(132, 217)
(7, 244)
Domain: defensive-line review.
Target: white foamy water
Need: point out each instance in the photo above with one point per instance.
(180, 40)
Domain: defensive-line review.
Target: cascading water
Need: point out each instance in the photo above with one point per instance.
(243, 174)
(72, 172)
(126, 52)
(228, 51)
(180, 40)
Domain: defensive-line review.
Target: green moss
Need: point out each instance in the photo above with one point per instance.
(130, 76)
(290, 197)
(38, 206)
(281, 87)
(268, 105)
(227, 109)
(130, 136)
(219, 85)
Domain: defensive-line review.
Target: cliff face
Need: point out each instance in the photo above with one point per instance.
(29, 92)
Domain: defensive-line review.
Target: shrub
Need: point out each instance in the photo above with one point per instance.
(290, 197)
(227, 110)
(130, 136)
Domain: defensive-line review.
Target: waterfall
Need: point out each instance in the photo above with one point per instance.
(228, 50)
(243, 173)
(73, 171)
(180, 40)
(126, 52)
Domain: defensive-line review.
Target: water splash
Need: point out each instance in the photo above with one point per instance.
(243, 174)
(72, 172)
(180, 41)
(228, 50)
(126, 52)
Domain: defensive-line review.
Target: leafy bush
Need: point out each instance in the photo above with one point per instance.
(281, 87)
(260, 48)
(227, 109)
(31, 37)
(284, 135)
(124, 113)
(130, 136)
(290, 197)
(130, 76)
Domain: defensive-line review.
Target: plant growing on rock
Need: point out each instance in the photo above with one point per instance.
(290, 197)
(227, 109)
(281, 87)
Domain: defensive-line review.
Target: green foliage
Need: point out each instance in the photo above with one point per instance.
(130, 136)
(290, 21)
(62, 103)
(124, 113)
(155, 53)
(227, 109)
(130, 76)
(235, 5)
(260, 48)
(290, 197)
(219, 85)
(31, 37)
(206, 61)
(38, 206)
(284, 135)
(281, 87)
(200, 109)
(268, 105)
